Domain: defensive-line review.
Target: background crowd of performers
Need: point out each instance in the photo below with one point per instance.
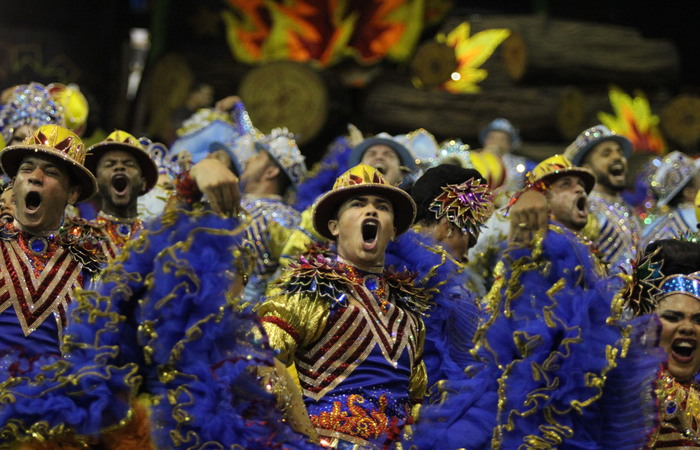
(402, 293)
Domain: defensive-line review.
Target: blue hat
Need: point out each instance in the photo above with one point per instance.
(587, 140)
(214, 136)
(505, 126)
(359, 150)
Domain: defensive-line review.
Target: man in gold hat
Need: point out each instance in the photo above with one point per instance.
(43, 258)
(566, 188)
(352, 328)
(124, 171)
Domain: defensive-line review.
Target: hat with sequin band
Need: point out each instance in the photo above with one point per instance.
(505, 126)
(121, 140)
(356, 154)
(28, 104)
(461, 195)
(57, 142)
(282, 148)
(672, 174)
(73, 105)
(555, 167)
(362, 180)
(588, 139)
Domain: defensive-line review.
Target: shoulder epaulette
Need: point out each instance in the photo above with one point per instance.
(316, 273)
(84, 242)
(405, 291)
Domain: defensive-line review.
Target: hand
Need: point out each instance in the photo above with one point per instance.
(227, 103)
(218, 184)
(528, 215)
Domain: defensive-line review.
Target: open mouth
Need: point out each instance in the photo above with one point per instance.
(617, 170)
(6, 218)
(370, 232)
(380, 167)
(120, 183)
(32, 201)
(581, 203)
(682, 350)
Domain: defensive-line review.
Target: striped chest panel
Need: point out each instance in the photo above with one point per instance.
(352, 332)
(620, 232)
(37, 286)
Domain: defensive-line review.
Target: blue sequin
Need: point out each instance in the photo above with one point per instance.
(371, 283)
(671, 407)
(38, 245)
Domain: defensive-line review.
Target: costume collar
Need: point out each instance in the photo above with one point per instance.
(370, 269)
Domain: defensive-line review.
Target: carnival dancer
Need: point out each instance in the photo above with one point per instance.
(557, 367)
(667, 282)
(159, 356)
(44, 258)
(500, 138)
(7, 205)
(614, 227)
(675, 183)
(383, 152)
(353, 328)
(28, 107)
(452, 205)
(124, 171)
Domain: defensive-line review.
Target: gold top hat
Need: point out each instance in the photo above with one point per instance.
(58, 142)
(558, 166)
(362, 180)
(121, 140)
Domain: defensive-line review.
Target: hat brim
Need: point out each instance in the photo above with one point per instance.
(663, 201)
(355, 156)
(261, 146)
(215, 146)
(585, 174)
(328, 204)
(11, 158)
(580, 155)
(149, 169)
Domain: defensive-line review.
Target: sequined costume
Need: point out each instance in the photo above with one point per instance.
(677, 222)
(615, 231)
(272, 222)
(556, 367)
(516, 169)
(114, 232)
(680, 414)
(163, 324)
(39, 275)
(356, 338)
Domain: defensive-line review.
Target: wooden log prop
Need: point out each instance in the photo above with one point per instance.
(541, 49)
(680, 121)
(392, 104)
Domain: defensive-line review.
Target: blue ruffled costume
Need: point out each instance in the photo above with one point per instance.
(162, 323)
(557, 368)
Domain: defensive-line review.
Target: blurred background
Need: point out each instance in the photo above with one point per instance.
(553, 68)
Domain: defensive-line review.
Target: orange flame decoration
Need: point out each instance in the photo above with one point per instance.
(633, 119)
(471, 52)
(324, 31)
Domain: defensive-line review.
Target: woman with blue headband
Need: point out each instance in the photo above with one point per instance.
(667, 282)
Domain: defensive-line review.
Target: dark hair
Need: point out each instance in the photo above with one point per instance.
(661, 259)
(429, 186)
(674, 256)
